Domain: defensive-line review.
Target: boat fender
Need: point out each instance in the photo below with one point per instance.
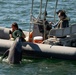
(17, 33)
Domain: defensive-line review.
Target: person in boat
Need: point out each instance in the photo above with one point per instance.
(16, 32)
(63, 20)
(14, 54)
(48, 27)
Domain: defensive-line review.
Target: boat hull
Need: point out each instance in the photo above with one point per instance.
(33, 50)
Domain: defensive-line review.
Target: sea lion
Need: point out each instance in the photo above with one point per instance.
(14, 54)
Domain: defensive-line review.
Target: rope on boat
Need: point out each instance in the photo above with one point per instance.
(45, 18)
(55, 10)
(45, 9)
(40, 10)
(31, 13)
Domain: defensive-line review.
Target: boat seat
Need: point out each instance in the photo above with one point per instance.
(36, 31)
(63, 31)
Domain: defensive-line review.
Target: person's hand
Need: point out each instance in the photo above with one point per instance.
(12, 39)
(51, 23)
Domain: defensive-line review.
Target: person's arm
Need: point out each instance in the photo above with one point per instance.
(54, 24)
(23, 35)
(10, 34)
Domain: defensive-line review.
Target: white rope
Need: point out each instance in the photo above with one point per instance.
(55, 10)
(31, 13)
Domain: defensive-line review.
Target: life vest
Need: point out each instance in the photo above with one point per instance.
(65, 23)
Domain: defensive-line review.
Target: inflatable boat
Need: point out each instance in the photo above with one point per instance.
(64, 48)
(37, 45)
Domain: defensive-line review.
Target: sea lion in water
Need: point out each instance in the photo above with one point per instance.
(14, 54)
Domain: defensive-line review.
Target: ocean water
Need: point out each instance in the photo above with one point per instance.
(19, 11)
